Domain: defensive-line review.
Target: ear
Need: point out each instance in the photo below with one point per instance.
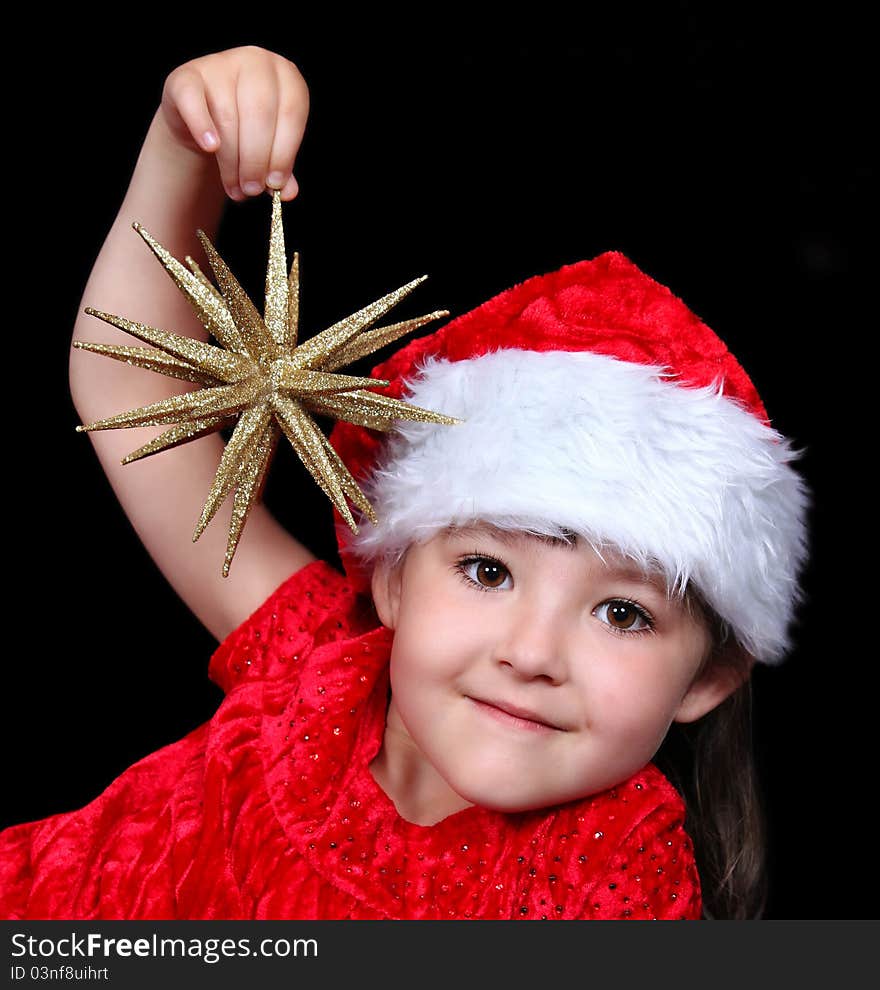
(386, 582)
(717, 682)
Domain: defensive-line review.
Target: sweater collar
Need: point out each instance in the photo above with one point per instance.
(331, 807)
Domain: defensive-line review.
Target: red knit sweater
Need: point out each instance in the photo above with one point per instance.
(269, 810)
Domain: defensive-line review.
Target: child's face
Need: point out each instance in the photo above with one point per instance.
(598, 661)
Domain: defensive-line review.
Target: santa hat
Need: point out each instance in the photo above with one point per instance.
(592, 401)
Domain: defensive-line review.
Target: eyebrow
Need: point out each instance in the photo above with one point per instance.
(509, 537)
(638, 576)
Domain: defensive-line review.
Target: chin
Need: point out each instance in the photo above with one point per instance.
(488, 793)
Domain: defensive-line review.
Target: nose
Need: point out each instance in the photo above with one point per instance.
(532, 642)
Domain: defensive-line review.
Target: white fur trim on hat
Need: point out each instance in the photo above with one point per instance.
(678, 478)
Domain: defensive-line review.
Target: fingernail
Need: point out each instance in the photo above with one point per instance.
(252, 188)
(209, 139)
(236, 193)
(276, 180)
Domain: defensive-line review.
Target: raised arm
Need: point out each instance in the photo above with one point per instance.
(256, 104)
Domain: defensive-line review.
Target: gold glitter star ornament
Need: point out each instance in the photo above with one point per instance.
(260, 376)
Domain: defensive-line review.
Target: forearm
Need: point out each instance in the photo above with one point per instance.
(173, 192)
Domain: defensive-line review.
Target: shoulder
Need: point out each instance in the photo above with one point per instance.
(313, 605)
(624, 853)
(125, 854)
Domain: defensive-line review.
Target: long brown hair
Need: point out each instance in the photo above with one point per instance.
(712, 764)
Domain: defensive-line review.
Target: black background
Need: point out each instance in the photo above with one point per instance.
(724, 152)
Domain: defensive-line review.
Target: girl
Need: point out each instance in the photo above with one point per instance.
(463, 726)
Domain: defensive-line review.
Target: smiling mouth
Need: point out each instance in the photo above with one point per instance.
(516, 717)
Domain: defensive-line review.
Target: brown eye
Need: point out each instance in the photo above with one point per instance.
(621, 614)
(490, 573)
(484, 573)
(624, 616)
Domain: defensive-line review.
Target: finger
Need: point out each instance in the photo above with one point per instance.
(291, 188)
(257, 95)
(289, 130)
(293, 110)
(184, 93)
(222, 104)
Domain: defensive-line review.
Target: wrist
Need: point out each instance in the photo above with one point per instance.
(162, 142)
(186, 182)
(173, 190)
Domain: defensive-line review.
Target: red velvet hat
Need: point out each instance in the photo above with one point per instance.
(593, 400)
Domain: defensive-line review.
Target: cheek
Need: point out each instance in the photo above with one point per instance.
(435, 632)
(628, 707)
(425, 656)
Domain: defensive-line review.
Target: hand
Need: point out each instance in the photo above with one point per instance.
(247, 107)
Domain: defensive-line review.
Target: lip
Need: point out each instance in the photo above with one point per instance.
(513, 715)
